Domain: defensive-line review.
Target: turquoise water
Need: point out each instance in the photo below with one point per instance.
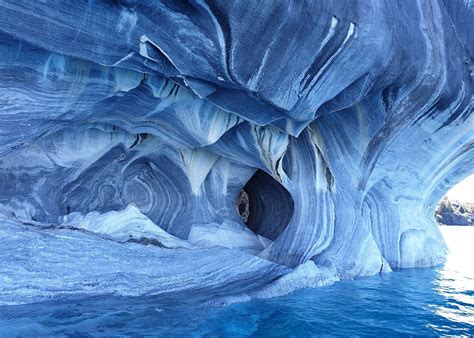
(430, 301)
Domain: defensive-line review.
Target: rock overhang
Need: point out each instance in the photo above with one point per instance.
(141, 114)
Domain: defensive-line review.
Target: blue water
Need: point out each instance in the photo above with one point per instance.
(430, 301)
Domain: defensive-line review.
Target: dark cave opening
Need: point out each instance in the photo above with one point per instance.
(265, 206)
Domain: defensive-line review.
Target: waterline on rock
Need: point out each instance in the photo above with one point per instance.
(429, 301)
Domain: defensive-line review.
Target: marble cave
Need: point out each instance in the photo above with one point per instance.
(240, 148)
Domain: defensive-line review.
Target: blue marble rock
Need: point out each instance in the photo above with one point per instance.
(240, 148)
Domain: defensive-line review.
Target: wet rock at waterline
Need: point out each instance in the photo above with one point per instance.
(246, 148)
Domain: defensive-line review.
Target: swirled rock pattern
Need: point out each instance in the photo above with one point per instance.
(133, 133)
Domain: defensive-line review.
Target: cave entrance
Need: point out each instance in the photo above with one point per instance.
(455, 215)
(265, 206)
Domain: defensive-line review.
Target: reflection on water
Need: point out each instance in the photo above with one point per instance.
(409, 302)
(455, 280)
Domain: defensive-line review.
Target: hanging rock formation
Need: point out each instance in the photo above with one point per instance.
(243, 148)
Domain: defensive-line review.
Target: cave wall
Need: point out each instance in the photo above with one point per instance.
(349, 120)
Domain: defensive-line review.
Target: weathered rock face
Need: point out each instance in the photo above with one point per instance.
(140, 123)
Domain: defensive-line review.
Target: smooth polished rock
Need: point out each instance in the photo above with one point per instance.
(129, 129)
(41, 264)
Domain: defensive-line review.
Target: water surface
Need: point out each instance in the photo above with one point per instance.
(430, 301)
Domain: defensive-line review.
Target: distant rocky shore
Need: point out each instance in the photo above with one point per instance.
(449, 212)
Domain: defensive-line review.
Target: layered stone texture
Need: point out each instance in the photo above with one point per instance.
(239, 148)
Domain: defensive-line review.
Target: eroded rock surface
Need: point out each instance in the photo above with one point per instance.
(128, 129)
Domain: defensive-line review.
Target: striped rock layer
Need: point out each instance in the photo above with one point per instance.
(239, 148)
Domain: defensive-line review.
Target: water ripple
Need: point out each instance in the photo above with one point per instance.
(436, 301)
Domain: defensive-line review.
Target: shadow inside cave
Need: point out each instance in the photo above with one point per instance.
(265, 206)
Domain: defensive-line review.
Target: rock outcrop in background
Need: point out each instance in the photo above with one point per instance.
(129, 129)
(454, 212)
